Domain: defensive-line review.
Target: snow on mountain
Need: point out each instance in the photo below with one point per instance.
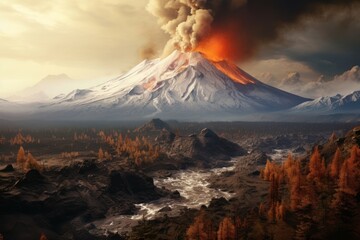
(180, 86)
(50, 87)
(334, 104)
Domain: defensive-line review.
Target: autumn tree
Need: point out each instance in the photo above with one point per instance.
(100, 154)
(280, 211)
(20, 159)
(273, 196)
(201, 229)
(335, 165)
(43, 237)
(293, 176)
(226, 230)
(262, 210)
(349, 178)
(317, 168)
(31, 163)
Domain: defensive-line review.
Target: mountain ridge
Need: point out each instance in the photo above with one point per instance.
(180, 86)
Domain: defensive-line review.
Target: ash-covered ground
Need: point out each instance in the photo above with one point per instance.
(116, 180)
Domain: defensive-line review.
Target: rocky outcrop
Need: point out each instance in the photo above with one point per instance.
(155, 125)
(206, 146)
(64, 200)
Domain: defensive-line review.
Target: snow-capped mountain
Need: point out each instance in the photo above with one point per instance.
(334, 104)
(52, 86)
(180, 86)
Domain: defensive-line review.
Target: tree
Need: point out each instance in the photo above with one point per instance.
(335, 165)
(199, 230)
(262, 209)
(20, 159)
(100, 154)
(280, 211)
(226, 230)
(316, 166)
(349, 178)
(43, 237)
(31, 163)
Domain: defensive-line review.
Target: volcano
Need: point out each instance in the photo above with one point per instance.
(184, 86)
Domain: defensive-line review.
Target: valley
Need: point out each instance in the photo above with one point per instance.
(116, 182)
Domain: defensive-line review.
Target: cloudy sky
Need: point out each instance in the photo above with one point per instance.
(99, 39)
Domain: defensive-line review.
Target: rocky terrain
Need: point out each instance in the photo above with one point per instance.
(101, 189)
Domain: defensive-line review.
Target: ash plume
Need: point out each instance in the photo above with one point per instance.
(186, 21)
(250, 23)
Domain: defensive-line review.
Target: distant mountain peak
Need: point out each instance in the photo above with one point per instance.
(331, 104)
(184, 86)
(62, 76)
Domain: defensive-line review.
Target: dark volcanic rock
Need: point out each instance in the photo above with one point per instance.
(165, 209)
(155, 125)
(132, 183)
(207, 145)
(8, 168)
(175, 195)
(87, 166)
(32, 177)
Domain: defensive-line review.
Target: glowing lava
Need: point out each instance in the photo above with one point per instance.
(233, 72)
(216, 47)
(219, 47)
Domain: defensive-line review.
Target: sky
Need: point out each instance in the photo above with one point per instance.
(99, 39)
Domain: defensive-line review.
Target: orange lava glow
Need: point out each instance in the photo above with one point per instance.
(234, 73)
(217, 46)
(221, 46)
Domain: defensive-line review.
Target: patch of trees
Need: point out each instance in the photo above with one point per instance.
(26, 161)
(69, 155)
(303, 196)
(19, 139)
(138, 151)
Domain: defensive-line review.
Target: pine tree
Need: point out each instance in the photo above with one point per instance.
(100, 154)
(20, 159)
(316, 167)
(43, 237)
(335, 165)
(226, 230)
(31, 163)
(198, 231)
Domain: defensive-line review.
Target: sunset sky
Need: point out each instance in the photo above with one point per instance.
(98, 39)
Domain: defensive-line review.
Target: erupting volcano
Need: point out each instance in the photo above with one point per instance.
(181, 86)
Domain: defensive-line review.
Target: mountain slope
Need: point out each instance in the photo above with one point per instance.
(337, 104)
(180, 86)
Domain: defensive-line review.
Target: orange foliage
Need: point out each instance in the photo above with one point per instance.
(317, 168)
(20, 159)
(100, 154)
(280, 211)
(271, 168)
(31, 163)
(349, 179)
(262, 209)
(43, 237)
(69, 155)
(226, 230)
(28, 162)
(335, 164)
(19, 139)
(293, 173)
(201, 229)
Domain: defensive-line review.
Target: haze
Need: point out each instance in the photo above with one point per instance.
(90, 40)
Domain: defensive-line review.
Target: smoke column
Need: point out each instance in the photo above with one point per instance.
(245, 25)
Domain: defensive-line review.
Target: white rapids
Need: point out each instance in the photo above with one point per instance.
(193, 187)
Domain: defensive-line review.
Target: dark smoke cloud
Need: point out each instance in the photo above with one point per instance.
(252, 23)
(259, 22)
(330, 45)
